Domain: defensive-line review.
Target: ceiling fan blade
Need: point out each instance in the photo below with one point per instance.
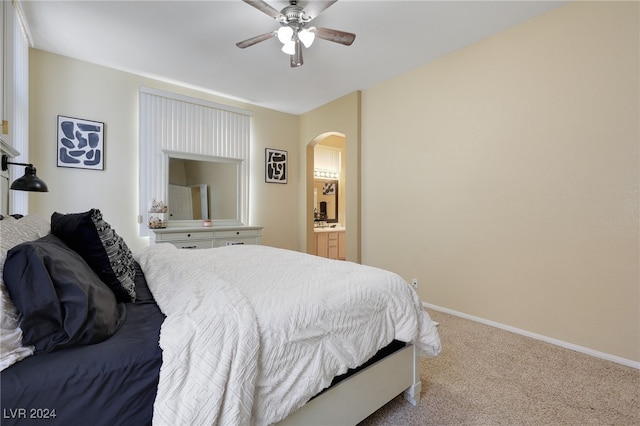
(336, 36)
(264, 7)
(254, 40)
(315, 8)
(296, 58)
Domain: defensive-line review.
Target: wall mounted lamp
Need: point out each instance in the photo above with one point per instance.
(28, 182)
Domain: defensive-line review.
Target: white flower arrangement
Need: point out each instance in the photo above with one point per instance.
(157, 215)
(158, 207)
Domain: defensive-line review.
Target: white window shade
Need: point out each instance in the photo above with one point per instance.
(14, 44)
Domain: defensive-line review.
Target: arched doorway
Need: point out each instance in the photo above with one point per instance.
(326, 165)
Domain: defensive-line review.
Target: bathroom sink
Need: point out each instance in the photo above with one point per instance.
(329, 228)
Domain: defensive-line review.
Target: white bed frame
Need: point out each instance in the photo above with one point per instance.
(354, 399)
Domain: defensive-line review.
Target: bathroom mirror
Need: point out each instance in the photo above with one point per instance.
(201, 187)
(325, 196)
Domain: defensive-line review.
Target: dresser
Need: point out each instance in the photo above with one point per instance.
(202, 237)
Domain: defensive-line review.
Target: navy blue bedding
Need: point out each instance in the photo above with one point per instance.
(109, 383)
(61, 300)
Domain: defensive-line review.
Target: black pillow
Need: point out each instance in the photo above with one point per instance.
(143, 294)
(99, 245)
(61, 300)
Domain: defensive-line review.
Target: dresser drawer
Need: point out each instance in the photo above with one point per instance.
(220, 242)
(237, 233)
(192, 244)
(185, 236)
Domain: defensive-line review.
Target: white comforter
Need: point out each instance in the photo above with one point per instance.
(253, 332)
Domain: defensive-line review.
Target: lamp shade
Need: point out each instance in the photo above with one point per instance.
(284, 34)
(29, 182)
(289, 47)
(307, 37)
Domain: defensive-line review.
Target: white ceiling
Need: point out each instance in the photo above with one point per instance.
(192, 43)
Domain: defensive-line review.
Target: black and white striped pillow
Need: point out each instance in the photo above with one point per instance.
(101, 247)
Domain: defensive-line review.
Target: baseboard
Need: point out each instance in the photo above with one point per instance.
(567, 345)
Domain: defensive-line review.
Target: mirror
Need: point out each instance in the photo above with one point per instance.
(203, 188)
(188, 202)
(325, 197)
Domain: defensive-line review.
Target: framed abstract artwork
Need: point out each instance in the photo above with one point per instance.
(275, 168)
(329, 188)
(80, 143)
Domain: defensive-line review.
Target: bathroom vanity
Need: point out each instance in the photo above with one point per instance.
(330, 242)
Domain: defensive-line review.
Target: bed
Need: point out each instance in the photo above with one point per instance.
(232, 335)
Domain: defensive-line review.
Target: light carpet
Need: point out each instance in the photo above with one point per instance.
(489, 376)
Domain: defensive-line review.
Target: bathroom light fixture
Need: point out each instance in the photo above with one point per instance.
(28, 182)
(326, 174)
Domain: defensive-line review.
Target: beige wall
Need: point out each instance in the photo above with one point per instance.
(505, 177)
(64, 86)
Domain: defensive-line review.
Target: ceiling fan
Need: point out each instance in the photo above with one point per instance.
(294, 30)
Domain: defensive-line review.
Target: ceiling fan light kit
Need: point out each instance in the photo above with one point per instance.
(289, 47)
(293, 33)
(285, 34)
(307, 36)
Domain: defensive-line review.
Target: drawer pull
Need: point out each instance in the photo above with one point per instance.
(189, 247)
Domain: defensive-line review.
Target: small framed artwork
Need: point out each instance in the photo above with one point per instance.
(328, 188)
(80, 143)
(275, 167)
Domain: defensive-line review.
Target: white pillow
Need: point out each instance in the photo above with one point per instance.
(14, 232)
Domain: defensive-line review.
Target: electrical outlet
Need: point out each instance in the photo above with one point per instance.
(414, 283)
